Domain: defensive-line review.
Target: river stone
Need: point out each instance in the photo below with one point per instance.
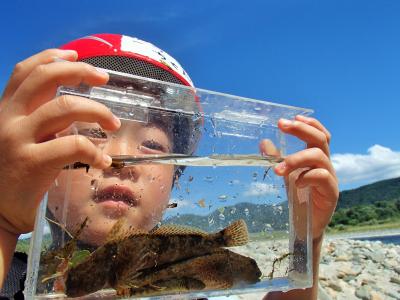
(378, 256)
(343, 257)
(395, 280)
(375, 296)
(397, 270)
(363, 293)
(334, 286)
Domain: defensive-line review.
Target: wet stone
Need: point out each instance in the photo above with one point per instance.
(343, 257)
(334, 286)
(395, 280)
(363, 293)
(397, 270)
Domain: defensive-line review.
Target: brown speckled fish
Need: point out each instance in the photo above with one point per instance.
(221, 269)
(135, 251)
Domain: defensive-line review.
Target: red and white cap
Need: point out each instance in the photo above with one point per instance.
(129, 55)
(133, 56)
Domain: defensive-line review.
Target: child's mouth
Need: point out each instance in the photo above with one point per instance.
(116, 193)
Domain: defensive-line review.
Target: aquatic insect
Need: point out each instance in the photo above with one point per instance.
(266, 172)
(133, 251)
(277, 260)
(58, 261)
(172, 205)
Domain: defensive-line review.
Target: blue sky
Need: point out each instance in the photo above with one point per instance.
(340, 58)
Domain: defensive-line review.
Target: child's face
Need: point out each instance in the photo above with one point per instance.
(138, 194)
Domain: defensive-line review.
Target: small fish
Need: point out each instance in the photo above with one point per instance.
(134, 251)
(201, 203)
(221, 269)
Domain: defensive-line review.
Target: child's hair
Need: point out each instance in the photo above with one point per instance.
(136, 57)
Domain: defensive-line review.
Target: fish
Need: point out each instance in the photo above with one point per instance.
(201, 203)
(133, 251)
(221, 269)
(174, 285)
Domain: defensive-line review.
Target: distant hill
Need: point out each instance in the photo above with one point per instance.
(369, 203)
(376, 203)
(385, 190)
(259, 217)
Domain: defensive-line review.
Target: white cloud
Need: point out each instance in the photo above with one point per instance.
(257, 189)
(379, 163)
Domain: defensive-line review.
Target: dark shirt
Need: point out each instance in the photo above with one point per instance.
(14, 282)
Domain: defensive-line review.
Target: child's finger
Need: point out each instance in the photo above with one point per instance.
(311, 135)
(308, 158)
(267, 147)
(324, 182)
(25, 67)
(56, 115)
(66, 150)
(315, 123)
(41, 84)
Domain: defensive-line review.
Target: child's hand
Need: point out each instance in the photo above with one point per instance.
(30, 117)
(319, 173)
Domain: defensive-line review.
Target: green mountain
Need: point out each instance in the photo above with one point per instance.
(385, 190)
(374, 203)
(371, 204)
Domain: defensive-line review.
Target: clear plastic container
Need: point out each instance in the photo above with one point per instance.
(190, 205)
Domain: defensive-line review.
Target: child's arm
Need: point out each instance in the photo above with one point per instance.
(31, 156)
(320, 176)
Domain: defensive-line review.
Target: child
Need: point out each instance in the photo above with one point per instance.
(32, 148)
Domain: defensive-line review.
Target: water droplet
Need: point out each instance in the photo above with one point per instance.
(221, 217)
(222, 197)
(209, 179)
(246, 211)
(233, 210)
(94, 184)
(211, 221)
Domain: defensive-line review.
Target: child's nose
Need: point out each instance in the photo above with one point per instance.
(121, 147)
(131, 173)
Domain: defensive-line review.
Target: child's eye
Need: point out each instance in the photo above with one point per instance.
(154, 146)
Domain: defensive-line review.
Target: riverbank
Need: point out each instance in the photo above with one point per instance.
(362, 233)
(354, 269)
